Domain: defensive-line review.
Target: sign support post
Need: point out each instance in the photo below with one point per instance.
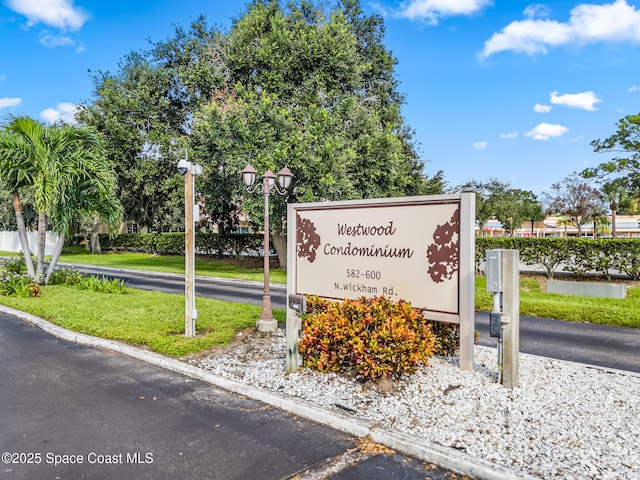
(511, 312)
(466, 292)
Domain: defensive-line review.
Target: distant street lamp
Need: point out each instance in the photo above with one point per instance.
(191, 215)
(266, 323)
(614, 208)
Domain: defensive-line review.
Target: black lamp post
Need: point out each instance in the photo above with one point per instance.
(614, 208)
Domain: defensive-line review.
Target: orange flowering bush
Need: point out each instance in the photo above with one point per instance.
(372, 338)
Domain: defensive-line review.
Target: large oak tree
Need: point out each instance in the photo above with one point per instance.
(297, 84)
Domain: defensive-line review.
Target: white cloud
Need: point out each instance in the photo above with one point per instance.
(588, 23)
(53, 41)
(539, 108)
(64, 112)
(584, 100)
(432, 10)
(633, 88)
(56, 13)
(537, 10)
(509, 135)
(3, 77)
(480, 145)
(545, 131)
(7, 102)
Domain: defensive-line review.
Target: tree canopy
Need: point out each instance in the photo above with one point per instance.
(620, 176)
(515, 206)
(299, 84)
(575, 199)
(499, 200)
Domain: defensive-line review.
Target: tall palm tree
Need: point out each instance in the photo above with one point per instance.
(86, 187)
(16, 174)
(563, 221)
(65, 166)
(600, 220)
(34, 156)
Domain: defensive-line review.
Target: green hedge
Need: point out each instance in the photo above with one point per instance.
(173, 243)
(575, 255)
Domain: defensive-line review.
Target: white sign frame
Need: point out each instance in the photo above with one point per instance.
(365, 242)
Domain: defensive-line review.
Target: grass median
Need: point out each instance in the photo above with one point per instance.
(248, 268)
(156, 320)
(536, 302)
(143, 318)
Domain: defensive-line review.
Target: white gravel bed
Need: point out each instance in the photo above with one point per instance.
(565, 420)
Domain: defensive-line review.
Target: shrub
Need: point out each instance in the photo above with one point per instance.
(73, 277)
(575, 255)
(17, 285)
(65, 276)
(446, 337)
(15, 265)
(370, 338)
(102, 284)
(173, 243)
(626, 258)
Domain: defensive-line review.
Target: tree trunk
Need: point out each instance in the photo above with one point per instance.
(279, 240)
(95, 239)
(54, 258)
(22, 233)
(42, 239)
(95, 244)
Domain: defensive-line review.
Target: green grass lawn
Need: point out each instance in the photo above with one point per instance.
(243, 269)
(535, 302)
(140, 317)
(156, 320)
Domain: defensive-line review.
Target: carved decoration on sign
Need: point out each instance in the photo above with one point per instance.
(307, 238)
(443, 253)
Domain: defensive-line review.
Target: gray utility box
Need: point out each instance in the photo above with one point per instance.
(587, 289)
(494, 271)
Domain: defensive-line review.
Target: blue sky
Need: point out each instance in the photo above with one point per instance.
(506, 89)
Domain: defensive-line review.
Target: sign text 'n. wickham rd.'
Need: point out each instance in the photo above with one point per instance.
(418, 249)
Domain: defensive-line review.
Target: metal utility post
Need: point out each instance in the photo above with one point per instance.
(297, 306)
(503, 280)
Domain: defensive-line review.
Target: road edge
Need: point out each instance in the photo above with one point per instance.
(445, 457)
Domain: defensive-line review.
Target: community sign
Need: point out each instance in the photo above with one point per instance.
(418, 249)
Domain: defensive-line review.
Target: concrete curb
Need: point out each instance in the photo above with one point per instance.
(446, 457)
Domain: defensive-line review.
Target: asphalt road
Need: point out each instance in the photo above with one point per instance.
(600, 345)
(222, 289)
(70, 412)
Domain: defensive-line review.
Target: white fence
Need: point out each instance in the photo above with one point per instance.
(10, 242)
